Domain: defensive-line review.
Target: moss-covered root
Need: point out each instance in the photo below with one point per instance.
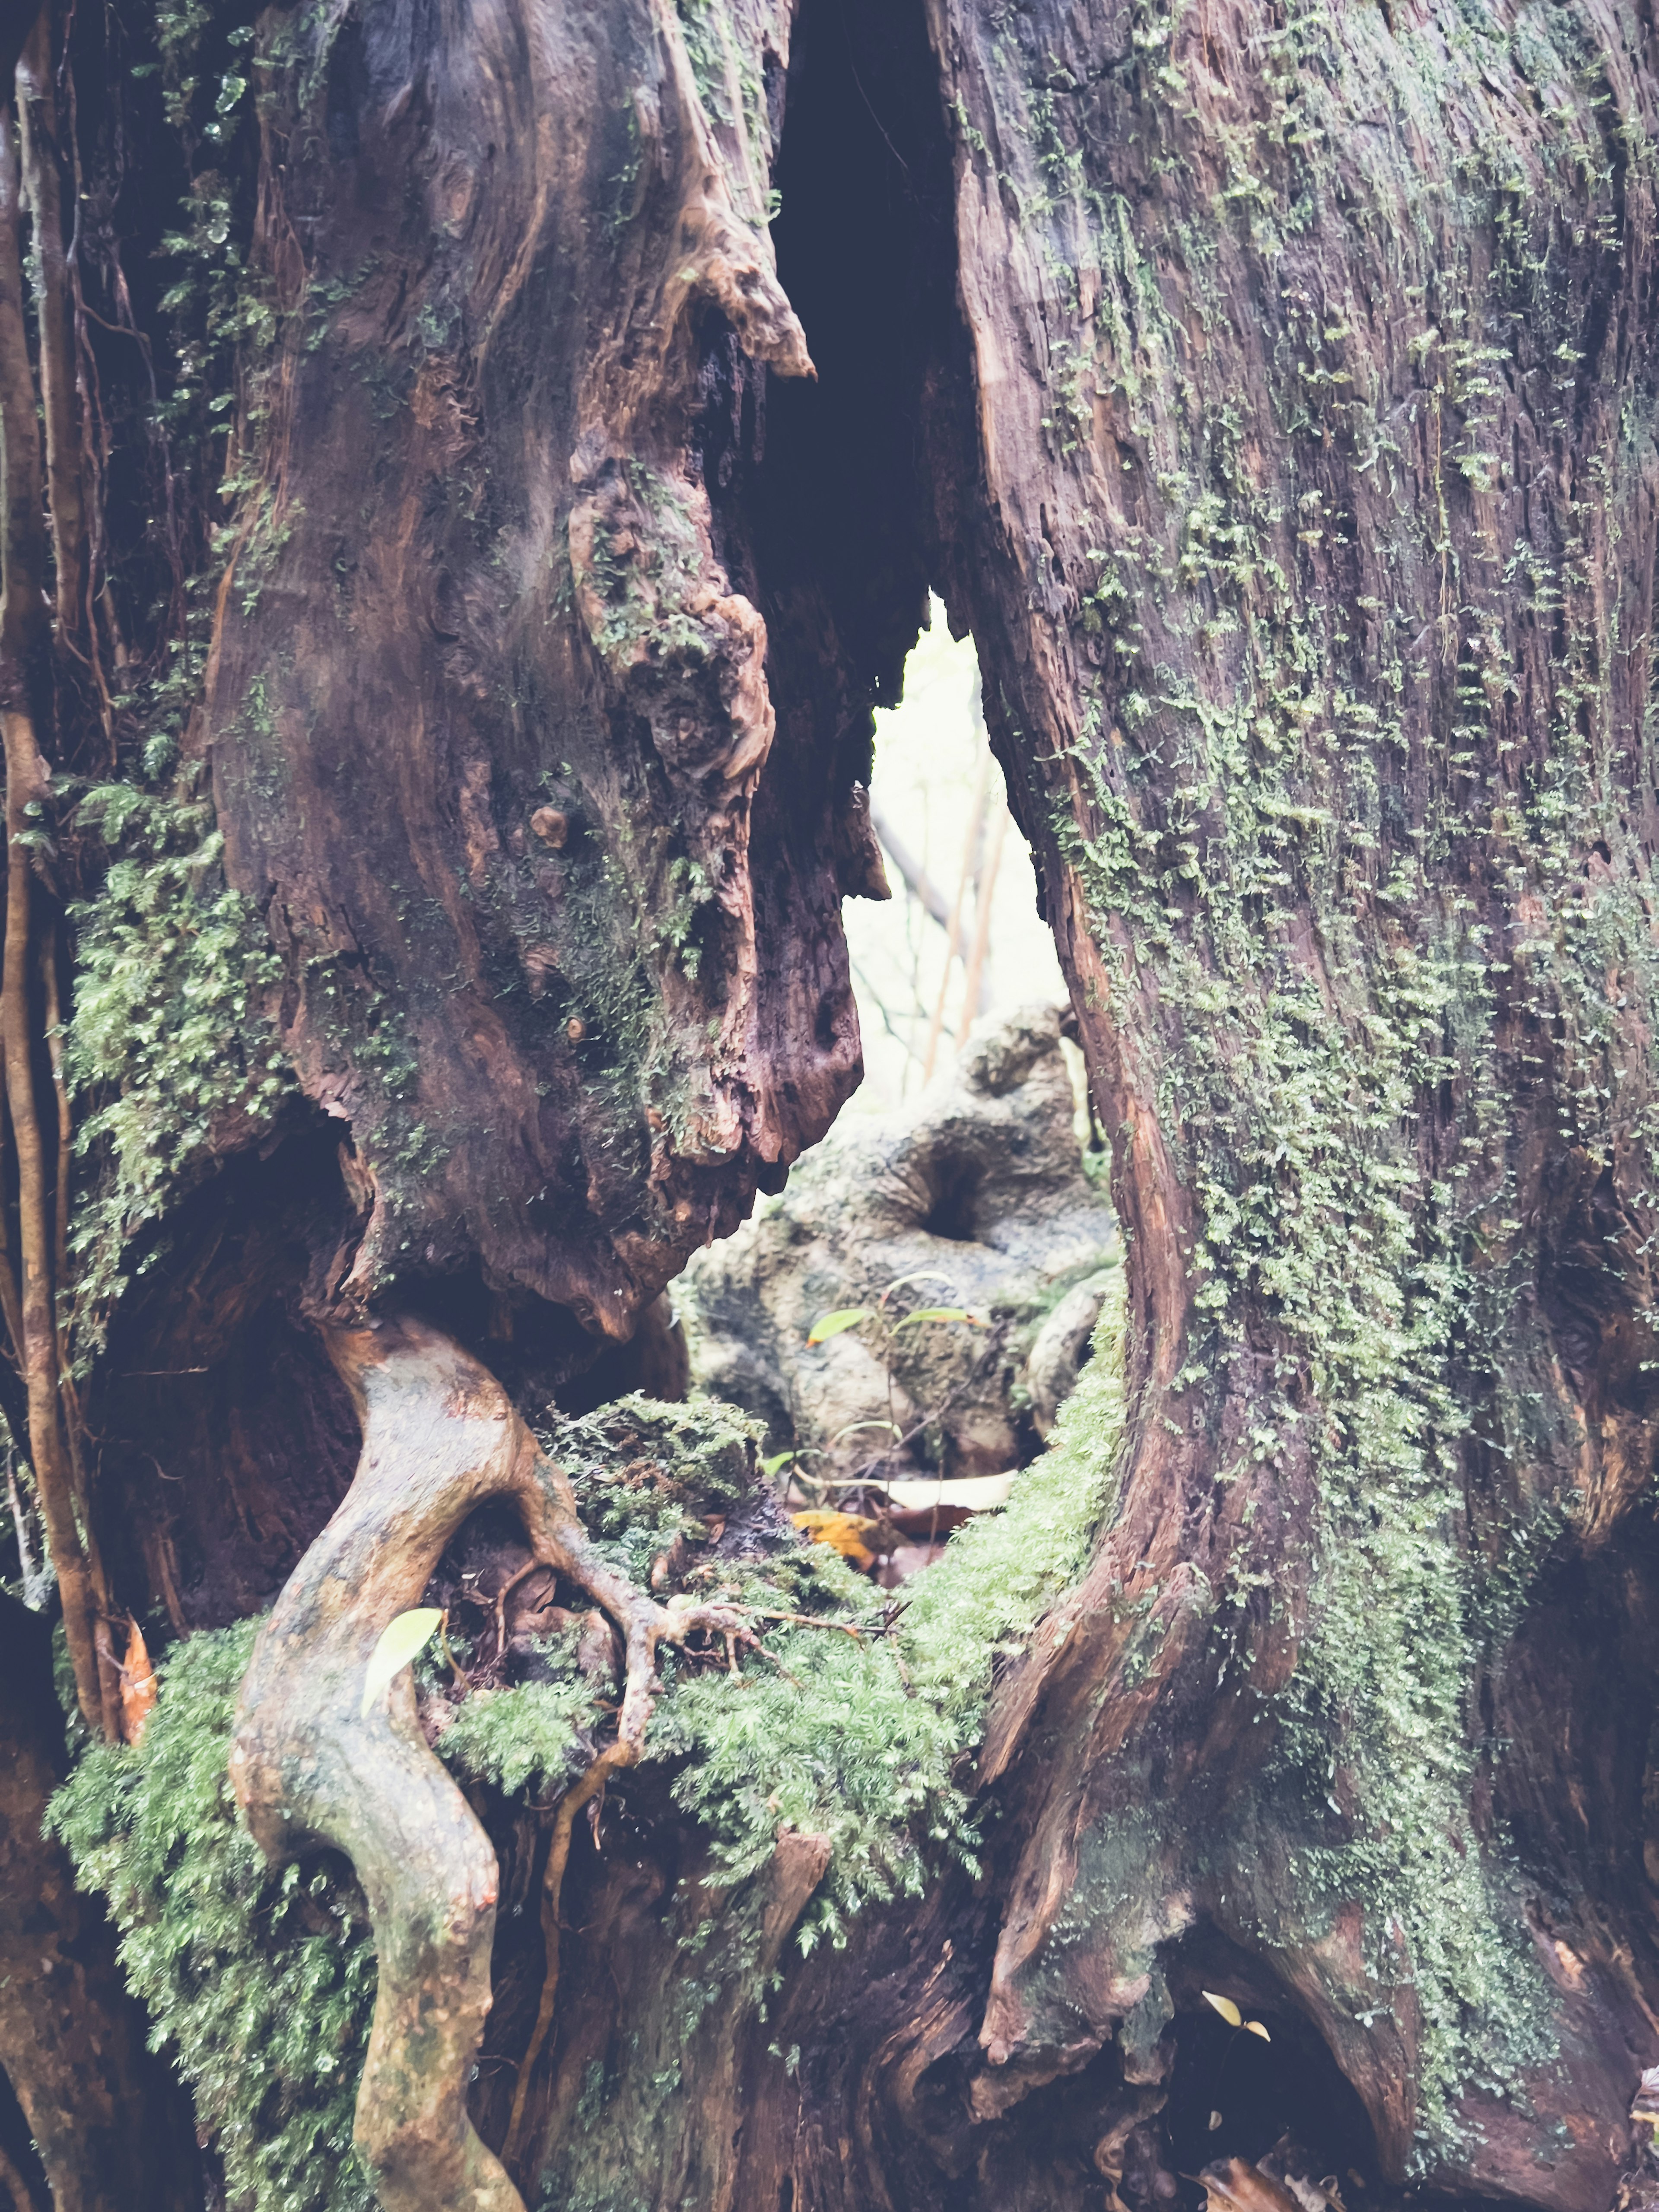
(310, 1767)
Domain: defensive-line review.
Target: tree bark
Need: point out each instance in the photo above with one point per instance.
(108, 2125)
(1272, 396)
(1322, 630)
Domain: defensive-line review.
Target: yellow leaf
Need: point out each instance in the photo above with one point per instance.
(1255, 2028)
(137, 1687)
(1229, 2011)
(846, 1532)
(401, 1638)
(939, 1313)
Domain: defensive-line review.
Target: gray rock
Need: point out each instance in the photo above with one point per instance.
(979, 1196)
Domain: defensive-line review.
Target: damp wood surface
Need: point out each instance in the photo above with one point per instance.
(484, 467)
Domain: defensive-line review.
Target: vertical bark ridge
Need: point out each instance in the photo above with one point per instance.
(1313, 440)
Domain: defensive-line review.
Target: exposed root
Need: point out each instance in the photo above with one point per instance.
(585, 1791)
(645, 1625)
(28, 1295)
(310, 1768)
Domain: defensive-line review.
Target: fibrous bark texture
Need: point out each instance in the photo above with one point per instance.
(318, 1762)
(102, 2122)
(489, 709)
(1312, 561)
(1271, 392)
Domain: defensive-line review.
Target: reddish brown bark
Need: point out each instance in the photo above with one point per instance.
(1272, 396)
(108, 2123)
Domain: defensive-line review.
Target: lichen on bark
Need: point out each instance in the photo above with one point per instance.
(1328, 712)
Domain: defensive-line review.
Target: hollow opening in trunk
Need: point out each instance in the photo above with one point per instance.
(866, 246)
(1271, 2090)
(952, 1214)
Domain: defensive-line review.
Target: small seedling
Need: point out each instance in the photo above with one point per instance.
(841, 1318)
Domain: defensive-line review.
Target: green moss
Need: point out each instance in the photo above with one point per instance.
(1304, 741)
(529, 1741)
(262, 1988)
(639, 595)
(164, 1044)
(644, 1473)
(260, 1991)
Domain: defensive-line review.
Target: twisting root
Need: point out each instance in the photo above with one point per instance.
(310, 1768)
(582, 1792)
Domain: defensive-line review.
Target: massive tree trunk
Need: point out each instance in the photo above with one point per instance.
(479, 532)
(1315, 558)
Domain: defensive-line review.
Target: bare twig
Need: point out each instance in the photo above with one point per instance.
(953, 934)
(917, 881)
(975, 994)
(28, 787)
(42, 190)
(805, 1620)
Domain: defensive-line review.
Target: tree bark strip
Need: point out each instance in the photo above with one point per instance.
(109, 2123)
(43, 193)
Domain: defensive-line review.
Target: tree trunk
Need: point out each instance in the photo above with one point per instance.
(1271, 394)
(1318, 490)
(100, 2115)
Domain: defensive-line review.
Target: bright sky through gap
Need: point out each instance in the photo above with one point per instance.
(931, 756)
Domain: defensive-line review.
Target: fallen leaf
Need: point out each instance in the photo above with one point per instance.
(836, 1323)
(137, 1687)
(846, 1317)
(846, 1532)
(401, 1638)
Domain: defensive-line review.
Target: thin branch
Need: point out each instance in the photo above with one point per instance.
(953, 935)
(42, 194)
(28, 788)
(917, 881)
(976, 993)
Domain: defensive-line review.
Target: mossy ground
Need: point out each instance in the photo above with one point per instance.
(262, 1988)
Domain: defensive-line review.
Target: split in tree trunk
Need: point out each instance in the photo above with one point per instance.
(1271, 397)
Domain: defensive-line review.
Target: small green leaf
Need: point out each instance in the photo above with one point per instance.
(940, 1313)
(1229, 2011)
(1255, 2028)
(400, 1640)
(832, 1324)
(770, 1466)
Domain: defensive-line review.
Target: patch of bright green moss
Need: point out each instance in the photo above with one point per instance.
(164, 1043)
(262, 1988)
(259, 1991)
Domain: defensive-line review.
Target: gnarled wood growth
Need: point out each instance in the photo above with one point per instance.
(1272, 394)
(313, 1765)
(487, 709)
(1311, 557)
